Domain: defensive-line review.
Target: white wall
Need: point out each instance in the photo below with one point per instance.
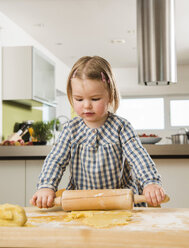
(62, 72)
(63, 106)
(127, 82)
(126, 79)
(13, 35)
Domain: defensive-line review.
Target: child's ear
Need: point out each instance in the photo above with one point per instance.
(110, 107)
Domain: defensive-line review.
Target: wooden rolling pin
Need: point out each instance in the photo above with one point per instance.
(101, 199)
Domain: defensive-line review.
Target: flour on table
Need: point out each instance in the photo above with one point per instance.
(158, 222)
(135, 220)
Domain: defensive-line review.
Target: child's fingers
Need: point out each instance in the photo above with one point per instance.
(44, 201)
(154, 194)
(39, 202)
(158, 196)
(162, 194)
(33, 200)
(148, 198)
(50, 201)
(154, 198)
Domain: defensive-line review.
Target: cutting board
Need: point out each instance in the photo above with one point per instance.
(149, 227)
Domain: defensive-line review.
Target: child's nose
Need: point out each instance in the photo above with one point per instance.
(87, 104)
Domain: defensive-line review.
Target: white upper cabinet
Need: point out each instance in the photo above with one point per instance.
(27, 74)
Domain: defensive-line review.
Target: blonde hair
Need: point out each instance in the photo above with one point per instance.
(95, 68)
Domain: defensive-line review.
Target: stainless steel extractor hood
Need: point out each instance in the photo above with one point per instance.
(156, 42)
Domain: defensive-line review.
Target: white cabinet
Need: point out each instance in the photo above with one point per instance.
(27, 74)
(19, 178)
(43, 78)
(12, 182)
(33, 170)
(174, 174)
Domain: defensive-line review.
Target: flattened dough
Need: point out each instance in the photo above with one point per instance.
(100, 219)
(12, 215)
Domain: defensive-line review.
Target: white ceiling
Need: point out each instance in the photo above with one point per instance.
(74, 28)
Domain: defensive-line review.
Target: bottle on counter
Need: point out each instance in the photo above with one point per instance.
(20, 133)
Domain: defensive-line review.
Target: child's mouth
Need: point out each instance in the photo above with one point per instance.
(88, 114)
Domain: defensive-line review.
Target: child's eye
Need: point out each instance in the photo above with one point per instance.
(95, 99)
(78, 99)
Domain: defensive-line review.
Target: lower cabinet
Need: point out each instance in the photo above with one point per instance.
(18, 180)
(33, 170)
(12, 182)
(175, 173)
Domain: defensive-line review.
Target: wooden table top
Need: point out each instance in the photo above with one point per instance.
(149, 227)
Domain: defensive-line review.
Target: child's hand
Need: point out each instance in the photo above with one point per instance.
(43, 198)
(154, 194)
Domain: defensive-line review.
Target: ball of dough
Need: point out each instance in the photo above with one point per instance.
(12, 215)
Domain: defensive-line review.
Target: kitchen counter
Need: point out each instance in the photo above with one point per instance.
(24, 152)
(168, 151)
(149, 228)
(40, 152)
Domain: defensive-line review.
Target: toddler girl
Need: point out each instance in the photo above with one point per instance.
(101, 149)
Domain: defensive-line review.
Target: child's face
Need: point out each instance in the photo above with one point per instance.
(90, 101)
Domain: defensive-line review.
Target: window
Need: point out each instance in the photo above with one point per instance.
(179, 112)
(143, 113)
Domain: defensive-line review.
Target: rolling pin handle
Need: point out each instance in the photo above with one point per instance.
(58, 201)
(166, 199)
(141, 198)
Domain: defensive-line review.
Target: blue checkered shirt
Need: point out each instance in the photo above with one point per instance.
(108, 157)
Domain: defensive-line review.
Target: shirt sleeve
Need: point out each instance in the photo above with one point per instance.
(142, 166)
(56, 161)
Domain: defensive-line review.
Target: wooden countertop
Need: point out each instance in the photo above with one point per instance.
(168, 150)
(40, 152)
(149, 228)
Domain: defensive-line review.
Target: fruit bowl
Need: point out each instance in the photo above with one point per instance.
(150, 140)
